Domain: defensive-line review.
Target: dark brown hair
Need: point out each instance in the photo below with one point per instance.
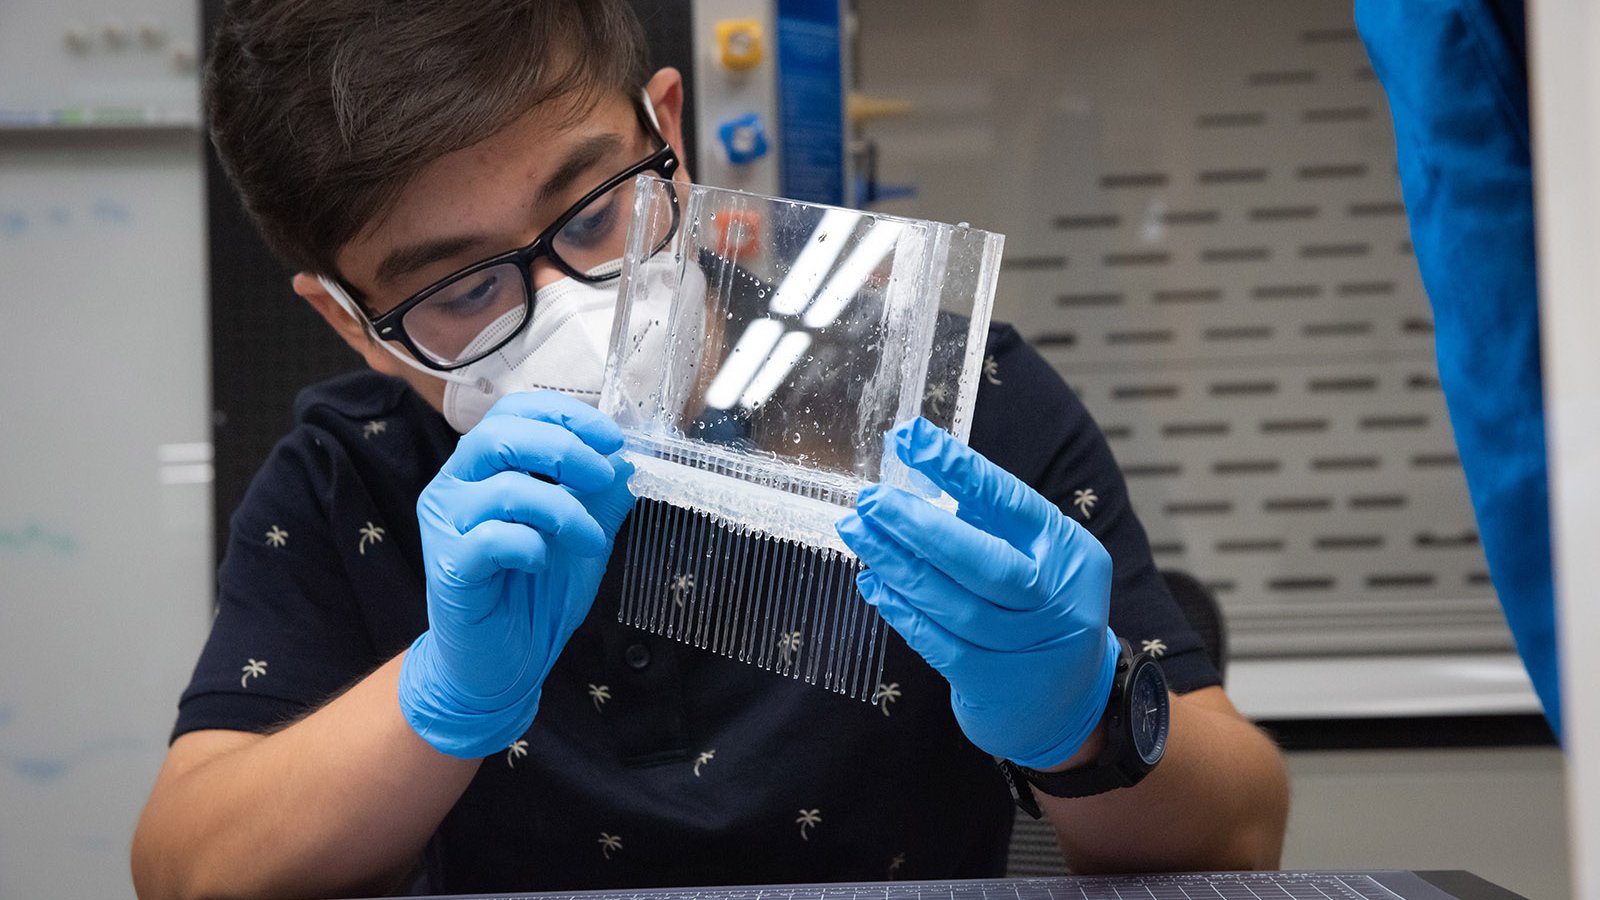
(323, 111)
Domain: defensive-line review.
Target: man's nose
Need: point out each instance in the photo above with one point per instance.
(546, 273)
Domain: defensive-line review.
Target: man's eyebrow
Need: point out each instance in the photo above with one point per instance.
(580, 159)
(405, 260)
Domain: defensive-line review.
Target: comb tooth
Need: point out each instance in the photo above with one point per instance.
(869, 640)
(641, 528)
(794, 623)
(788, 641)
(630, 558)
(716, 549)
(767, 637)
(770, 623)
(656, 587)
(677, 569)
(682, 531)
(751, 601)
(879, 628)
(748, 559)
(819, 615)
(815, 566)
(710, 590)
(750, 628)
(634, 574)
(727, 594)
(852, 644)
(649, 562)
(835, 620)
(684, 601)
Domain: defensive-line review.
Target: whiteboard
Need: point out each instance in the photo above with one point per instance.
(105, 495)
(89, 62)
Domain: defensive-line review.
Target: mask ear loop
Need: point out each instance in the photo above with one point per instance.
(349, 306)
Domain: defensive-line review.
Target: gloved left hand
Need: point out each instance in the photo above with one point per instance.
(1008, 599)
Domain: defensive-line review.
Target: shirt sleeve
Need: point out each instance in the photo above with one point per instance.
(286, 636)
(1455, 74)
(1029, 422)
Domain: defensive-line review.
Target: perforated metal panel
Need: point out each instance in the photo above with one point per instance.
(1205, 237)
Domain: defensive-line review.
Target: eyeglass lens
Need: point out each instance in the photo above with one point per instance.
(473, 315)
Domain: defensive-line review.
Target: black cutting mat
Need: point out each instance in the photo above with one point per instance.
(1376, 885)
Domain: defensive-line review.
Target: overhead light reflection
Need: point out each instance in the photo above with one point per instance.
(778, 366)
(878, 243)
(822, 248)
(749, 353)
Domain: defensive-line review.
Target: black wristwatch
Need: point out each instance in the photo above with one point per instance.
(1137, 720)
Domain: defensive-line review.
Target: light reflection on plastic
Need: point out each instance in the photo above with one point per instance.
(813, 263)
(752, 350)
(777, 368)
(878, 243)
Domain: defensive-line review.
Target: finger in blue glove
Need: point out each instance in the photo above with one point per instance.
(1008, 599)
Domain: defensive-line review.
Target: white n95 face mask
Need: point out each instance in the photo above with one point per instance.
(563, 349)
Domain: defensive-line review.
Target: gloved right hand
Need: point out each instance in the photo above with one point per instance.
(512, 563)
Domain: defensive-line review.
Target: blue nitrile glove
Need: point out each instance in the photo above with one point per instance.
(512, 564)
(1007, 599)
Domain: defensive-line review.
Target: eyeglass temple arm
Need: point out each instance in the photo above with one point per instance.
(341, 297)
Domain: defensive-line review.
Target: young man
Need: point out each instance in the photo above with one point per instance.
(416, 659)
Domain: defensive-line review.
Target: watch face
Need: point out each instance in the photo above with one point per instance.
(1148, 713)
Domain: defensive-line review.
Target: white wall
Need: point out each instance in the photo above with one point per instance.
(105, 495)
(105, 457)
(1498, 813)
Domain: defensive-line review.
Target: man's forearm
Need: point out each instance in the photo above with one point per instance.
(340, 801)
(1218, 800)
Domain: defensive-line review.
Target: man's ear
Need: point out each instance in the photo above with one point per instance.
(353, 331)
(666, 96)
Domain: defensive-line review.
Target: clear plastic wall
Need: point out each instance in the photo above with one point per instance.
(764, 347)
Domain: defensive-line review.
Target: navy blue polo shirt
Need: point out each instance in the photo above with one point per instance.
(650, 763)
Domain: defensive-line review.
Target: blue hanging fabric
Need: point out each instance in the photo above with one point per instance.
(1456, 75)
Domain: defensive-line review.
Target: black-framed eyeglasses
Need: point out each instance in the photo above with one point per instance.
(475, 311)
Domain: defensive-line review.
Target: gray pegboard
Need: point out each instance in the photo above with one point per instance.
(1205, 237)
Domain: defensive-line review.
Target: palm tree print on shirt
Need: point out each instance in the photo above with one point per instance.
(374, 427)
(608, 843)
(601, 693)
(370, 533)
(936, 397)
(809, 818)
(1085, 500)
(277, 537)
(702, 759)
(1154, 646)
(991, 369)
(788, 646)
(516, 751)
(885, 695)
(895, 864)
(255, 668)
(681, 586)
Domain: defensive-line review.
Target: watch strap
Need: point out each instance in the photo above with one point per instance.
(1080, 782)
(1021, 793)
